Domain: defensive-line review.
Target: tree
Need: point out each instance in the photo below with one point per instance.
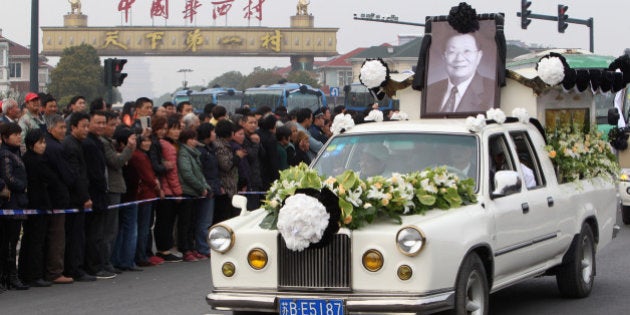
(304, 77)
(79, 72)
(231, 79)
(260, 77)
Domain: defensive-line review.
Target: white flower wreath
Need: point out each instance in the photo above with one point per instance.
(399, 116)
(551, 70)
(373, 73)
(302, 221)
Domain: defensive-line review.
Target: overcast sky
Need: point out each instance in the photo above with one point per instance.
(611, 21)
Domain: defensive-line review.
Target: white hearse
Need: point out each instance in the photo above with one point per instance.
(523, 224)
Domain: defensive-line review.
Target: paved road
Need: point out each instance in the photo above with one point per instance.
(180, 289)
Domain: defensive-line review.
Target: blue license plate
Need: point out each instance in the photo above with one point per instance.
(310, 307)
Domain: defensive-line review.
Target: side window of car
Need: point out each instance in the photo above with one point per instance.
(528, 159)
(500, 156)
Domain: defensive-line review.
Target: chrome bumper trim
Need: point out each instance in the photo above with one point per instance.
(266, 301)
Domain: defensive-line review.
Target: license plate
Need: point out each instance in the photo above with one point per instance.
(310, 307)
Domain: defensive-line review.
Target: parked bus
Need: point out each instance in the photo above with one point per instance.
(289, 95)
(358, 98)
(181, 96)
(227, 97)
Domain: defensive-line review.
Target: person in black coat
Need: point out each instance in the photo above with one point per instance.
(96, 164)
(13, 173)
(210, 169)
(269, 160)
(79, 197)
(56, 238)
(40, 178)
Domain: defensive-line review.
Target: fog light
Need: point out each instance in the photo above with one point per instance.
(257, 258)
(404, 272)
(228, 269)
(373, 260)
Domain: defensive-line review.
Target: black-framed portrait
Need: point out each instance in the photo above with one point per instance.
(462, 66)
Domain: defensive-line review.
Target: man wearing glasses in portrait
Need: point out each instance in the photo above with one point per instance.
(464, 89)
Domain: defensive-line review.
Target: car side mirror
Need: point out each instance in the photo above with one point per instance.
(506, 183)
(240, 202)
(613, 116)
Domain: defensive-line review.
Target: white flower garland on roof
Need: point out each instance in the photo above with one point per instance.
(302, 221)
(476, 124)
(399, 116)
(521, 114)
(496, 114)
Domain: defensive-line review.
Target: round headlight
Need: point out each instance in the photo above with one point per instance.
(257, 258)
(372, 260)
(410, 241)
(220, 238)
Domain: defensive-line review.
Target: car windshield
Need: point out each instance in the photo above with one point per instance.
(384, 154)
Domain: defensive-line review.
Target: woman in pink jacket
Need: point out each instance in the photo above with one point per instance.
(167, 210)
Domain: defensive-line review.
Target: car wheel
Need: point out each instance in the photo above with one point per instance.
(471, 291)
(577, 273)
(625, 214)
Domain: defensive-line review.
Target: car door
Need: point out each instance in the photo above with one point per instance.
(521, 222)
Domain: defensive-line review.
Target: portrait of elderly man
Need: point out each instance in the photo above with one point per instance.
(462, 75)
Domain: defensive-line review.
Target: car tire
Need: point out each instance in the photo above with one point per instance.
(576, 274)
(625, 214)
(471, 288)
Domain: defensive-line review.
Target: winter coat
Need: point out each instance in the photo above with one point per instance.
(115, 161)
(73, 151)
(94, 155)
(228, 166)
(43, 182)
(210, 167)
(190, 174)
(55, 157)
(13, 173)
(141, 180)
(170, 182)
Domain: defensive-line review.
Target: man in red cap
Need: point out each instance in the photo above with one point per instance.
(31, 119)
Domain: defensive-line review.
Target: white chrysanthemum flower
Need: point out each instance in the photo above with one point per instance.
(496, 114)
(551, 70)
(373, 73)
(521, 114)
(341, 122)
(374, 115)
(476, 124)
(354, 196)
(302, 221)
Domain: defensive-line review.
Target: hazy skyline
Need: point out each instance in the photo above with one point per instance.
(154, 76)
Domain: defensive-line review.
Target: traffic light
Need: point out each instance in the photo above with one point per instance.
(562, 18)
(117, 76)
(525, 13)
(107, 73)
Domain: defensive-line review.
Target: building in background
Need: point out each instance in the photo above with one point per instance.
(15, 70)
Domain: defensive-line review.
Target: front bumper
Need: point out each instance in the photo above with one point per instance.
(355, 303)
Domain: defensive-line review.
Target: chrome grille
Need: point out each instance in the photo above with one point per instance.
(315, 269)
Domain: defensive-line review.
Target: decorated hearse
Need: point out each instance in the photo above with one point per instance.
(434, 214)
(486, 212)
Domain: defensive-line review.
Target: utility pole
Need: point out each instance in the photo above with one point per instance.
(34, 62)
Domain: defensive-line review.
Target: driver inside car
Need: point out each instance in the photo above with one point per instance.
(373, 160)
(462, 159)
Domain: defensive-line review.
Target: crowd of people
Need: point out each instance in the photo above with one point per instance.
(119, 191)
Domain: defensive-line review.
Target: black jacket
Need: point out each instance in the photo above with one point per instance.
(13, 173)
(269, 160)
(43, 181)
(56, 160)
(73, 151)
(210, 167)
(94, 155)
(155, 155)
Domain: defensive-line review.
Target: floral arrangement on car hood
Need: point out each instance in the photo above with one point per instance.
(357, 202)
(579, 154)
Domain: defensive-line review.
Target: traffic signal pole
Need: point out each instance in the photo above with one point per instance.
(528, 15)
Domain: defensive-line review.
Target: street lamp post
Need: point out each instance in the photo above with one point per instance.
(184, 71)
